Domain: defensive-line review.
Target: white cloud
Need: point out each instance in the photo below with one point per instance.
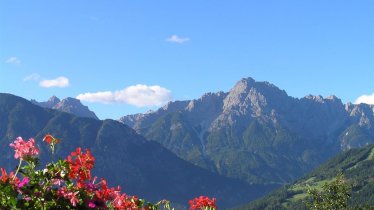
(137, 95)
(13, 60)
(58, 82)
(33, 77)
(100, 97)
(367, 99)
(177, 39)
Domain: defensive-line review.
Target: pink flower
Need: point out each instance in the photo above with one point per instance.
(72, 196)
(24, 182)
(24, 149)
(91, 204)
(27, 198)
(57, 181)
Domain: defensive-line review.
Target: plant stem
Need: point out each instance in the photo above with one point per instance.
(53, 152)
(19, 166)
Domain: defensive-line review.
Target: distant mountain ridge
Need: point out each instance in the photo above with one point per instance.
(69, 105)
(256, 132)
(140, 167)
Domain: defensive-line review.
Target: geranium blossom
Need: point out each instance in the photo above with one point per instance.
(24, 149)
(50, 139)
(71, 196)
(24, 182)
(57, 182)
(203, 202)
(4, 175)
(80, 165)
(125, 202)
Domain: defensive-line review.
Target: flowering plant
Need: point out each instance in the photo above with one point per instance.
(203, 202)
(67, 184)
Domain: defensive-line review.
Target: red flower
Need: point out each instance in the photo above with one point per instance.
(105, 193)
(50, 139)
(80, 165)
(203, 202)
(4, 175)
(124, 201)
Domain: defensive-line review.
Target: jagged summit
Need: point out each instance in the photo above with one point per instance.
(69, 105)
(258, 124)
(53, 100)
(249, 83)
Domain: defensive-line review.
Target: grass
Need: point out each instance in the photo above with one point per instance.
(371, 155)
(303, 187)
(298, 197)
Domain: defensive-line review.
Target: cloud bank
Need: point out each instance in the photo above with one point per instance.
(366, 99)
(137, 95)
(58, 82)
(177, 39)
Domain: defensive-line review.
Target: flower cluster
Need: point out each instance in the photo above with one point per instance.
(24, 149)
(67, 184)
(80, 165)
(203, 202)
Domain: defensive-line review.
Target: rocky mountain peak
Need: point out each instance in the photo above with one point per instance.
(361, 113)
(248, 93)
(243, 89)
(175, 106)
(316, 98)
(71, 102)
(243, 84)
(53, 101)
(333, 98)
(207, 100)
(69, 105)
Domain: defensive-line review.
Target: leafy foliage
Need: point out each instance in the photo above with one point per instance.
(333, 196)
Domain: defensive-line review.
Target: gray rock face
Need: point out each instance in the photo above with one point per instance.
(312, 116)
(137, 121)
(69, 105)
(257, 124)
(52, 101)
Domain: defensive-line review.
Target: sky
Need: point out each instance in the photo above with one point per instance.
(124, 57)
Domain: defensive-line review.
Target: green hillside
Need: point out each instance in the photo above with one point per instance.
(357, 165)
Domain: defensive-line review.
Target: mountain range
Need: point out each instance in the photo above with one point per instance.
(256, 132)
(69, 105)
(235, 146)
(143, 168)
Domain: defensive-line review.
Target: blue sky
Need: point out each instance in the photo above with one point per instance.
(132, 56)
